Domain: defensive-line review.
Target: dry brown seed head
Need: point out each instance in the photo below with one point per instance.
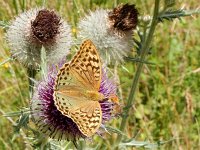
(45, 27)
(124, 17)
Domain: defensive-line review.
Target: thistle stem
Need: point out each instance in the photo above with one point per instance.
(31, 75)
(43, 3)
(144, 52)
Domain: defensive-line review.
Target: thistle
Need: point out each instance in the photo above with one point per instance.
(36, 28)
(51, 121)
(111, 31)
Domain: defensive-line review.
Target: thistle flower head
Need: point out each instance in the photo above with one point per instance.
(111, 31)
(45, 27)
(51, 121)
(36, 28)
(123, 17)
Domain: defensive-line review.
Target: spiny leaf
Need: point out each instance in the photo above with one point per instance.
(171, 14)
(4, 24)
(21, 122)
(114, 130)
(169, 3)
(145, 144)
(138, 60)
(17, 113)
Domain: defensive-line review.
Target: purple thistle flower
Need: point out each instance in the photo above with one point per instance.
(51, 121)
(107, 88)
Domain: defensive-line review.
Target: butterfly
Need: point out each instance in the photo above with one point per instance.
(76, 89)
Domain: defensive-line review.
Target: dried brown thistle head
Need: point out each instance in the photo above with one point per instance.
(45, 27)
(124, 17)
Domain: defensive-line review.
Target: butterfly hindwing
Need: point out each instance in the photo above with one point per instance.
(85, 113)
(87, 117)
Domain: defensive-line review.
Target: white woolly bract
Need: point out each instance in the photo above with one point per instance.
(111, 44)
(27, 52)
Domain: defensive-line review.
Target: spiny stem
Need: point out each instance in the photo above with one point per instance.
(43, 3)
(31, 75)
(144, 51)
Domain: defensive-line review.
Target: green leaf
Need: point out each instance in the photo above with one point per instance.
(5, 61)
(139, 144)
(145, 144)
(138, 60)
(17, 113)
(21, 122)
(114, 130)
(4, 24)
(171, 14)
(44, 70)
(169, 3)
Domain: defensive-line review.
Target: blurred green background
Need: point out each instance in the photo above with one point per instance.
(167, 103)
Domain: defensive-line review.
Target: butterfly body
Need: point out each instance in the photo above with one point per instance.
(94, 95)
(76, 90)
(90, 95)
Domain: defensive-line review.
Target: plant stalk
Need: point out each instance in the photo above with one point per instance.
(31, 75)
(144, 52)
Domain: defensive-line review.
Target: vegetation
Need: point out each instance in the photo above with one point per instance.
(165, 106)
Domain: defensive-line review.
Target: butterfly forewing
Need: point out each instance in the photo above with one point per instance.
(87, 64)
(82, 74)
